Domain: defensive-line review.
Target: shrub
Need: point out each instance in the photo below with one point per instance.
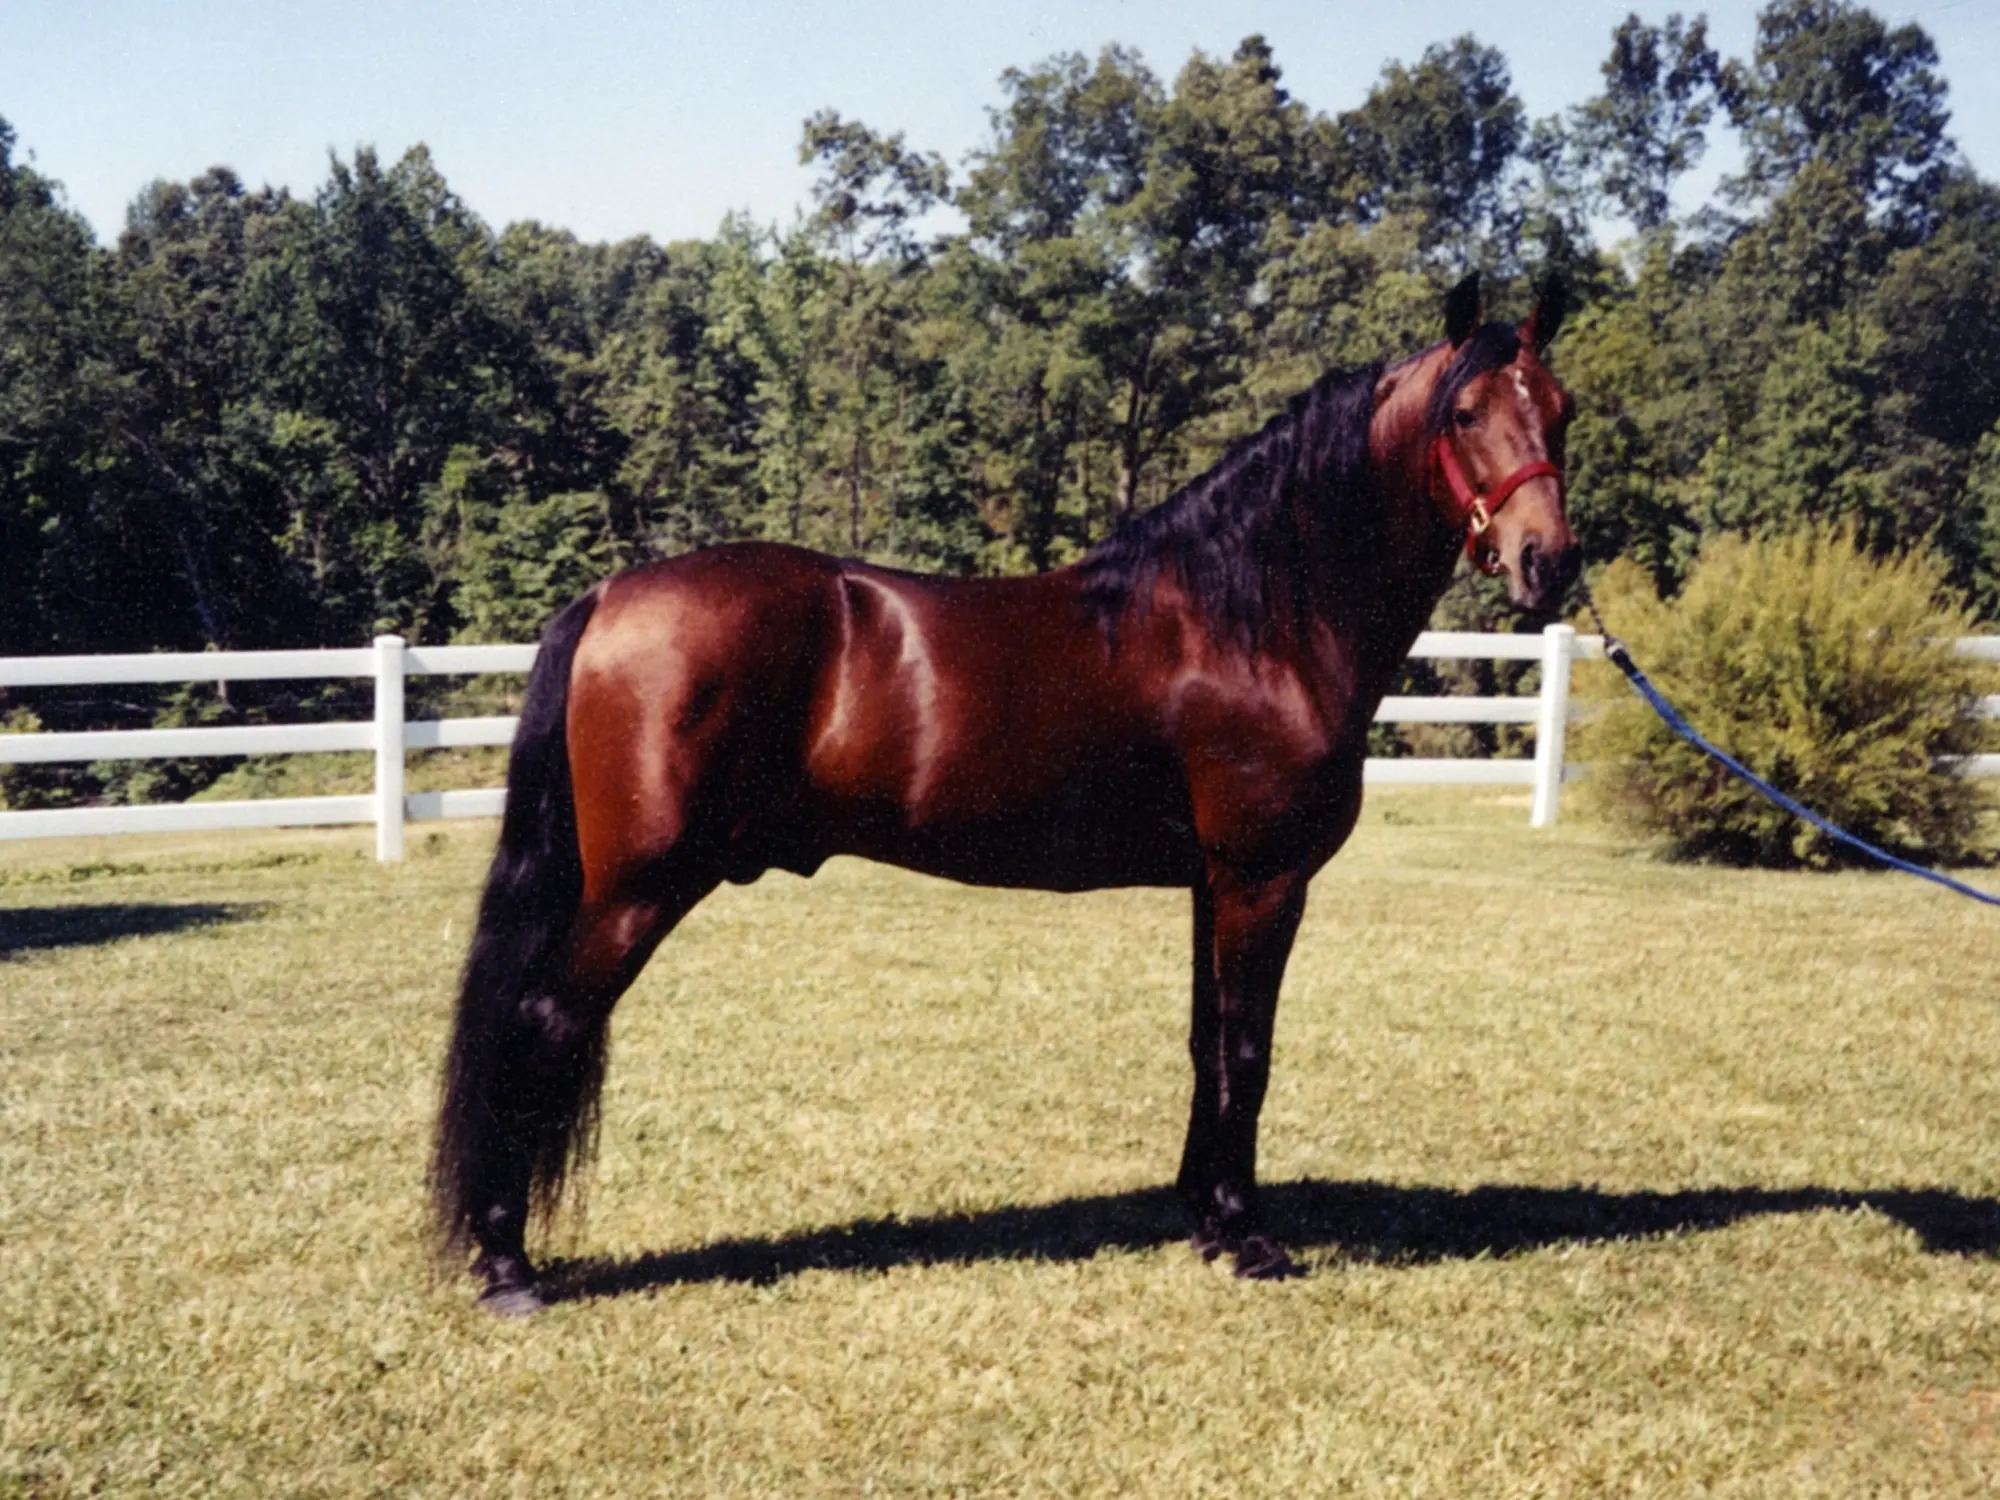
(1822, 670)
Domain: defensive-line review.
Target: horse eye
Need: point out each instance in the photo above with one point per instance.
(1464, 418)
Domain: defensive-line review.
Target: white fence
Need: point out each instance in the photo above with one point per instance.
(391, 660)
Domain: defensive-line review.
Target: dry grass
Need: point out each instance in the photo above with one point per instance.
(1613, 1175)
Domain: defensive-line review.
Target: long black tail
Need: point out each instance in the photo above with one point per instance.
(520, 1086)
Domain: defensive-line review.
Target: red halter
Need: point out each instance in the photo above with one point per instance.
(1475, 510)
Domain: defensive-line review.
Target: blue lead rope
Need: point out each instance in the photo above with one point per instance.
(1614, 649)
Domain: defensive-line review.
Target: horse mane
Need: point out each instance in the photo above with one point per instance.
(1230, 538)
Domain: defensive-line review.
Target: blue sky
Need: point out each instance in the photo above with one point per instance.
(618, 119)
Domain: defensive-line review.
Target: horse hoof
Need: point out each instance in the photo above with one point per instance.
(1208, 1243)
(1262, 1259)
(520, 1300)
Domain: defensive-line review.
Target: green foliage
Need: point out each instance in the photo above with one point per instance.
(1124, 228)
(61, 558)
(1336, 296)
(1804, 453)
(18, 784)
(1982, 520)
(385, 339)
(267, 420)
(1642, 425)
(1830, 84)
(523, 560)
(1436, 140)
(1939, 307)
(873, 186)
(1824, 671)
(1648, 126)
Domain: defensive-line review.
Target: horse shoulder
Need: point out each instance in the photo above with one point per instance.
(1273, 756)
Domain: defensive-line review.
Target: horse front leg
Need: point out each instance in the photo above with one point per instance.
(1243, 934)
(1204, 1028)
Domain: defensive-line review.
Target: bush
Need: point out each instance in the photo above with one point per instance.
(1825, 672)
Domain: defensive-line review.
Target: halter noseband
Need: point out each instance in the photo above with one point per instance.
(1476, 508)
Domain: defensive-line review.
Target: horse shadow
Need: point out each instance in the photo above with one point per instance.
(28, 929)
(1361, 1222)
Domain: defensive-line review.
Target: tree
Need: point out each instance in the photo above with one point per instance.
(1808, 453)
(1648, 126)
(383, 359)
(680, 388)
(1127, 230)
(1939, 306)
(1332, 295)
(1046, 206)
(264, 420)
(516, 557)
(1638, 438)
(871, 190)
(1980, 525)
(1223, 164)
(566, 306)
(1830, 84)
(1437, 140)
(72, 577)
(769, 314)
(190, 416)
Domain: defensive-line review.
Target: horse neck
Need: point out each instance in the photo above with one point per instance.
(1380, 602)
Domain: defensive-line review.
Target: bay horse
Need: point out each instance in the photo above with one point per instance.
(1186, 706)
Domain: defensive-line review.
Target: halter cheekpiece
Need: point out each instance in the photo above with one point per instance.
(1476, 508)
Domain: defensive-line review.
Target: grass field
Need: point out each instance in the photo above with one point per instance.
(1613, 1176)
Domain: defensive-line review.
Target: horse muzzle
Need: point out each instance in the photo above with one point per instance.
(1543, 574)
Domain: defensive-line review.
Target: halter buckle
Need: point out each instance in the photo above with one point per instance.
(1478, 517)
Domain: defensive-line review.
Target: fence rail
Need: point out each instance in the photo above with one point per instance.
(390, 661)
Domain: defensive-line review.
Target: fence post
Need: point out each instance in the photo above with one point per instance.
(1550, 723)
(389, 746)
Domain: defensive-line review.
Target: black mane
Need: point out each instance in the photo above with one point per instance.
(1230, 537)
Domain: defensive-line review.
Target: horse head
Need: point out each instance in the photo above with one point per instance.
(1497, 420)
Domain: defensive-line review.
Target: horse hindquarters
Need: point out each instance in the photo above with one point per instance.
(643, 748)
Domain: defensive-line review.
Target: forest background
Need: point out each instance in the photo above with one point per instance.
(261, 420)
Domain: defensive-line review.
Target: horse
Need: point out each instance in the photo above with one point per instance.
(1185, 706)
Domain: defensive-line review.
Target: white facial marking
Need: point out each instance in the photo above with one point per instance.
(1527, 400)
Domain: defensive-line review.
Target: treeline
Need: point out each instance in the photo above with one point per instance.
(266, 420)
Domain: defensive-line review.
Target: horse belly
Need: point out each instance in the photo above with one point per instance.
(1112, 823)
(1089, 835)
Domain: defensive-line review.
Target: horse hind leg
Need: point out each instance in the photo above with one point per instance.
(682, 735)
(548, 1078)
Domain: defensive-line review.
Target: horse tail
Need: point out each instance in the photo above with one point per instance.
(520, 1084)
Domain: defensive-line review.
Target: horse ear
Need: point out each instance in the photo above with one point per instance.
(1461, 310)
(1551, 302)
